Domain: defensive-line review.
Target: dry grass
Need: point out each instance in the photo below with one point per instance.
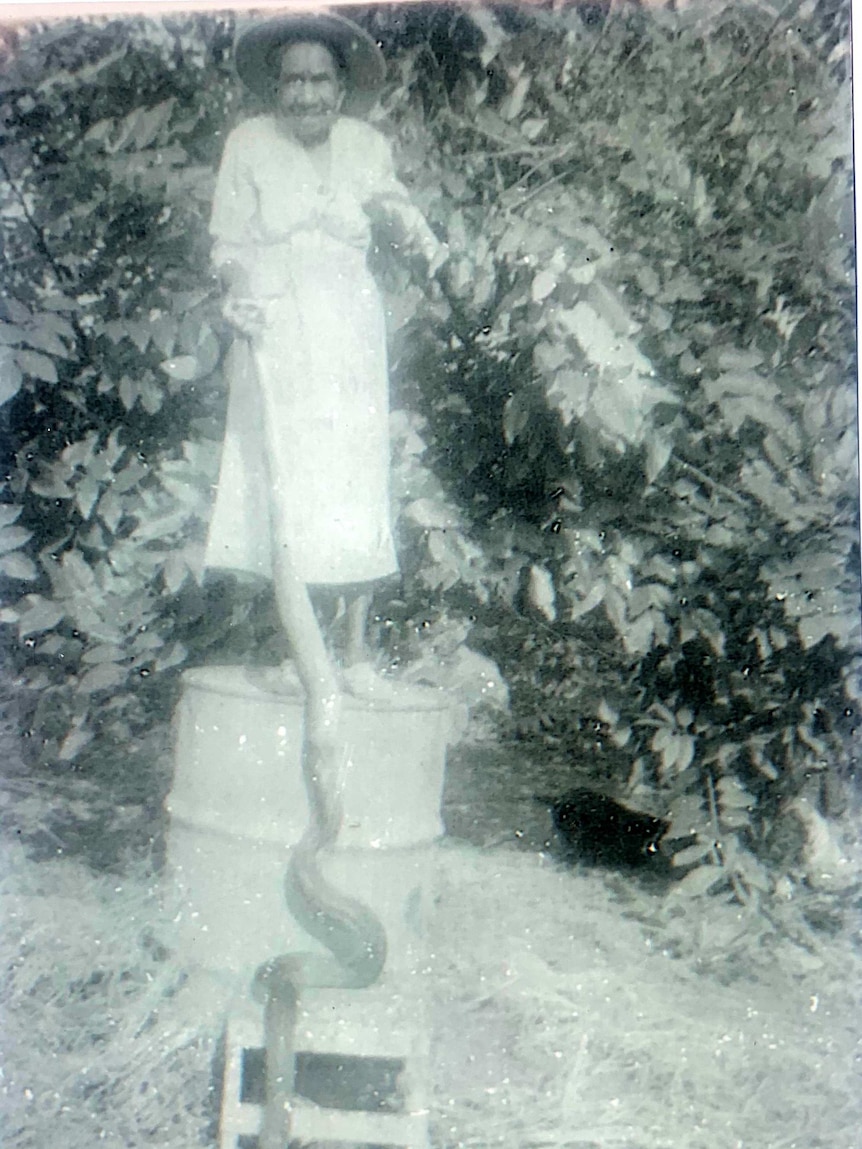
(561, 1023)
(96, 1047)
(558, 1020)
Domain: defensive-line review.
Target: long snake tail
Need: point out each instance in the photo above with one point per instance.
(350, 931)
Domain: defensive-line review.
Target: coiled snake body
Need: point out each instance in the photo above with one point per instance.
(350, 931)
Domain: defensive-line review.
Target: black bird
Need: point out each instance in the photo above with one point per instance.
(599, 831)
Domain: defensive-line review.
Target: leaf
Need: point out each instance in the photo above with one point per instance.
(164, 334)
(686, 745)
(74, 742)
(638, 634)
(100, 131)
(498, 128)
(691, 854)
(175, 571)
(533, 126)
(140, 127)
(752, 871)
(152, 121)
(493, 34)
(602, 345)
(569, 392)
(589, 602)
(44, 614)
(733, 794)
(540, 592)
(175, 655)
(86, 493)
(59, 303)
(18, 566)
(208, 350)
(184, 369)
(111, 510)
(735, 819)
(661, 739)
(10, 376)
(76, 575)
(11, 538)
(605, 713)
(700, 201)
(544, 284)
(140, 333)
(682, 286)
(513, 104)
(128, 393)
(430, 514)
(550, 357)
(15, 310)
(105, 652)
(688, 817)
(37, 365)
(658, 452)
(151, 397)
(516, 416)
(11, 334)
(700, 881)
(43, 336)
(80, 452)
(106, 676)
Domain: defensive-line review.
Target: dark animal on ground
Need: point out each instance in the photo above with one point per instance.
(597, 830)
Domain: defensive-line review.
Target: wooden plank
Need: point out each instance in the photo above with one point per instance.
(311, 1123)
(237, 1119)
(366, 1023)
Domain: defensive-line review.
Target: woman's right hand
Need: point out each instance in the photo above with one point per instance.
(246, 315)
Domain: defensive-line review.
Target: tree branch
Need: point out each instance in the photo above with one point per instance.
(34, 226)
(702, 477)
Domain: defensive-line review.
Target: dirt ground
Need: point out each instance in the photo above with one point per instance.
(568, 1009)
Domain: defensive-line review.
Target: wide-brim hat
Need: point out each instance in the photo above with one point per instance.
(259, 47)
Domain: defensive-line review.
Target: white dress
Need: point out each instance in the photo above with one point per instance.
(305, 461)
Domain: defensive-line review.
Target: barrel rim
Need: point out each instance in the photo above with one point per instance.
(256, 683)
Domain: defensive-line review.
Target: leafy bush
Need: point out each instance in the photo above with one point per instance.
(625, 454)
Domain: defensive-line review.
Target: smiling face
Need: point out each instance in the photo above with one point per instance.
(309, 93)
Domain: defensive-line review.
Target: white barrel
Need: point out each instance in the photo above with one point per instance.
(238, 804)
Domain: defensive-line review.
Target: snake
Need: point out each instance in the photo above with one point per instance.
(348, 929)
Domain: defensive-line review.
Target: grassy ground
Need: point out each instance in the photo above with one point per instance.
(569, 1009)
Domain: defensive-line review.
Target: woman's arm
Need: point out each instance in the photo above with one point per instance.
(232, 228)
(234, 205)
(389, 202)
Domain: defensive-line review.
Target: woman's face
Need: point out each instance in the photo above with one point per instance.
(309, 92)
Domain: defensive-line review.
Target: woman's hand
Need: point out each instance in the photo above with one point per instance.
(246, 315)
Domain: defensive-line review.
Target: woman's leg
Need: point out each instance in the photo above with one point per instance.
(356, 644)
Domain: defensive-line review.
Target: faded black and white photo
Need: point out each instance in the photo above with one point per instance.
(430, 577)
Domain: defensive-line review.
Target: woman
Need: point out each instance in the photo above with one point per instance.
(303, 493)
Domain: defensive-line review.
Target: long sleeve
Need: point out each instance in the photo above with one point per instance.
(234, 207)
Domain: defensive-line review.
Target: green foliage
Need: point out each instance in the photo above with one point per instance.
(626, 456)
(646, 413)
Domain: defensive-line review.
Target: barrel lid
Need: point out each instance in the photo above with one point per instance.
(255, 683)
